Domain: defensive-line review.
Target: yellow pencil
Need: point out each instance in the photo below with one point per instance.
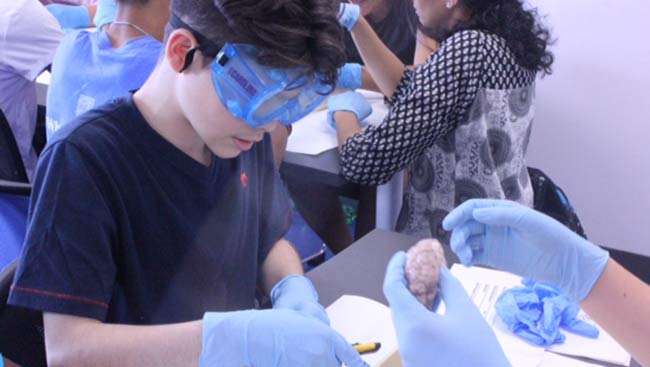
(366, 347)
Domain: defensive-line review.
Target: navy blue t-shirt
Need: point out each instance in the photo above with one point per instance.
(126, 228)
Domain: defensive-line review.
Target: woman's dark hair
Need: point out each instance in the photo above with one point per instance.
(288, 33)
(526, 37)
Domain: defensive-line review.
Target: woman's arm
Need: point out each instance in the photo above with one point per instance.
(383, 66)
(426, 106)
(619, 303)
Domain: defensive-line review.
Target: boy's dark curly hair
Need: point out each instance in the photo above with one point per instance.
(526, 37)
(288, 33)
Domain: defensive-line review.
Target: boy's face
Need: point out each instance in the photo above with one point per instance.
(225, 135)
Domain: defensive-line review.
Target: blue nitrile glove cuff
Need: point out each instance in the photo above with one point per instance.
(106, 10)
(349, 101)
(581, 281)
(350, 76)
(70, 16)
(211, 335)
(296, 292)
(349, 15)
(293, 283)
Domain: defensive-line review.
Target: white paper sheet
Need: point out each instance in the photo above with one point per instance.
(312, 134)
(485, 289)
(362, 320)
(556, 360)
(605, 348)
(485, 286)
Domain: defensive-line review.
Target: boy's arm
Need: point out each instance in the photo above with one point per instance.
(281, 261)
(80, 341)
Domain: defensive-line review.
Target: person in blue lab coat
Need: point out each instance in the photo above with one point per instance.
(508, 236)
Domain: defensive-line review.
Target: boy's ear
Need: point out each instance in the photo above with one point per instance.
(180, 42)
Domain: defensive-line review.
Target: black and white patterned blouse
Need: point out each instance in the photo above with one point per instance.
(461, 123)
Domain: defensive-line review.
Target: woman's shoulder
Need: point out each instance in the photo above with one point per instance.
(474, 37)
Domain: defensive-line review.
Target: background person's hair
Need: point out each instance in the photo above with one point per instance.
(288, 33)
(521, 28)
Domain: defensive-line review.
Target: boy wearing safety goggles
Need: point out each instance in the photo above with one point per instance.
(155, 208)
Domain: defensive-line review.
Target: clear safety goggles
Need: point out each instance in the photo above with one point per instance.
(259, 94)
(252, 92)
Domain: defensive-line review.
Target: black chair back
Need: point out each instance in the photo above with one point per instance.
(21, 339)
(551, 200)
(11, 163)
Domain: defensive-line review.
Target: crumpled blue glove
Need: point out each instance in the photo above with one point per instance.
(272, 338)
(460, 337)
(537, 311)
(350, 101)
(106, 10)
(295, 292)
(70, 16)
(349, 15)
(350, 76)
(512, 237)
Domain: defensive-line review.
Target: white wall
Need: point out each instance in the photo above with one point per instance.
(592, 125)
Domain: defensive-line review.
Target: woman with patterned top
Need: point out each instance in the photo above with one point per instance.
(461, 122)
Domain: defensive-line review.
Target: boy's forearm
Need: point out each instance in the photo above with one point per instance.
(283, 260)
(619, 302)
(77, 341)
(384, 67)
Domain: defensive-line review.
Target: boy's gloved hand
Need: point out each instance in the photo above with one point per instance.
(349, 101)
(349, 15)
(512, 237)
(295, 292)
(350, 76)
(272, 338)
(70, 16)
(460, 337)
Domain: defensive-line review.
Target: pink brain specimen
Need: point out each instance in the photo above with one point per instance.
(423, 262)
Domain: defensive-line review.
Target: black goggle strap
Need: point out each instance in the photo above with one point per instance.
(206, 46)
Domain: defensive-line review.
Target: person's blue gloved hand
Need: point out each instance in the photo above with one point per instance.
(70, 16)
(349, 15)
(349, 101)
(272, 338)
(460, 337)
(350, 76)
(106, 10)
(295, 292)
(512, 237)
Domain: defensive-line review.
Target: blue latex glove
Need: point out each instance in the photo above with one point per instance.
(350, 76)
(509, 236)
(460, 337)
(349, 15)
(70, 16)
(106, 10)
(295, 292)
(272, 338)
(537, 311)
(349, 101)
